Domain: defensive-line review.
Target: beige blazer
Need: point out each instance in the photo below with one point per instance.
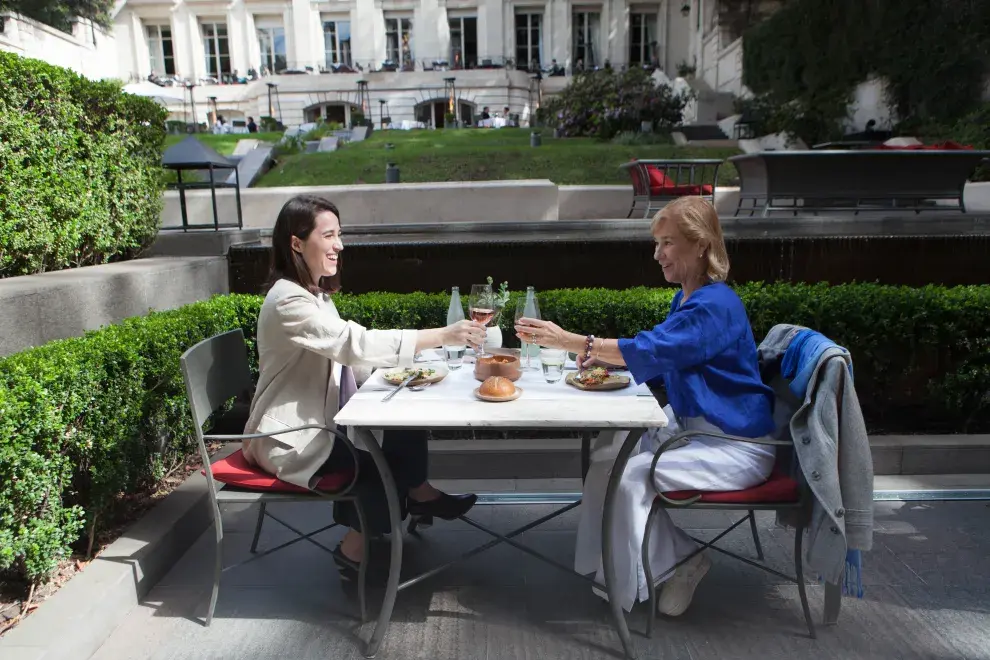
(302, 344)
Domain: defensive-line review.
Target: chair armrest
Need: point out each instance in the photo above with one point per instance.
(690, 434)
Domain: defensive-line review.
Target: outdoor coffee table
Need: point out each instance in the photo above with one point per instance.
(451, 405)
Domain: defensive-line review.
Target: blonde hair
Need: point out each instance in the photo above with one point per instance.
(697, 219)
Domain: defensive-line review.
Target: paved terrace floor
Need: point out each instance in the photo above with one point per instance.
(927, 596)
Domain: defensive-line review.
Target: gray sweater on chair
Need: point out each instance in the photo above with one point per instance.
(833, 450)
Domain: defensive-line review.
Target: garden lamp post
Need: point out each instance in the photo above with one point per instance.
(364, 100)
(271, 108)
(383, 112)
(450, 91)
(214, 111)
(192, 103)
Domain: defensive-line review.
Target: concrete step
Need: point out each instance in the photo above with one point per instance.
(559, 457)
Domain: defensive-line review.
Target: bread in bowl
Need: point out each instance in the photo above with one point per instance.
(497, 386)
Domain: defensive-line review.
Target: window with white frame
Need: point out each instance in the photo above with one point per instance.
(160, 49)
(643, 47)
(463, 41)
(587, 29)
(217, 49)
(529, 39)
(337, 42)
(399, 42)
(271, 43)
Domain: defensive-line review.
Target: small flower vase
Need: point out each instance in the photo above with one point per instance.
(493, 337)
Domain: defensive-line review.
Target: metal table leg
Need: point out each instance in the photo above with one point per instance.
(618, 616)
(395, 562)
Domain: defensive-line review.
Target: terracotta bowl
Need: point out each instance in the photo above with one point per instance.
(506, 366)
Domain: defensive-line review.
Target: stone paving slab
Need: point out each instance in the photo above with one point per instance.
(928, 596)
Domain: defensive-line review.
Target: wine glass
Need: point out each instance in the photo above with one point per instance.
(529, 309)
(481, 305)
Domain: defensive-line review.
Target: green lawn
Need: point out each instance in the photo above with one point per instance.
(476, 155)
(224, 144)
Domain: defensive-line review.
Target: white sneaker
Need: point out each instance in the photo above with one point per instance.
(678, 591)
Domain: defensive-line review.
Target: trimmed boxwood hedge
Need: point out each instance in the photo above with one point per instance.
(83, 420)
(81, 180)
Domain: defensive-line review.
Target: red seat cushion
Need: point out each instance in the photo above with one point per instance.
(661, 184)
(778, 489)
(236, 471)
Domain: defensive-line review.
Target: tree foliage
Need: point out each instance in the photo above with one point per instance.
(605, 103)
(61, 14)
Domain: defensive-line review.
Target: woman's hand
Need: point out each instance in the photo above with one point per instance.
(463, 333)
(542, 333)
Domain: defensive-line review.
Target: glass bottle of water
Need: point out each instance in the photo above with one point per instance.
(528, 308)
(454, 355)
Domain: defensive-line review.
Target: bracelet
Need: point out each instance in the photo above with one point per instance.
(598, 353)
(589, 342)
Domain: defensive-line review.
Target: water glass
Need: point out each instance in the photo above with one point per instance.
(552, 360)
(454, 355)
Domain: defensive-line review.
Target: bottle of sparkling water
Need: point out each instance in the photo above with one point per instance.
(531, 309)
(454, 354)
(455, 312)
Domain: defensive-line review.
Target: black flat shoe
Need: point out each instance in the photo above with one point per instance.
(446, 507)
(348, 570)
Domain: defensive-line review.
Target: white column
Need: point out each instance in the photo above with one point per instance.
(619, 30)
(181, 47)
(138, 66)
(196, 50)
(251, 46)
(300, 33)
(236, 12)
(368, 33)
(492, 29)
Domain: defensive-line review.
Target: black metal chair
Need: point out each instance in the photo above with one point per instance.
(215, 371)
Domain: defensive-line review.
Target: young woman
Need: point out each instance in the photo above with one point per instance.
(305, 354)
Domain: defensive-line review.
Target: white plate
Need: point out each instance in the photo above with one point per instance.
(397, 375)
(498, 399)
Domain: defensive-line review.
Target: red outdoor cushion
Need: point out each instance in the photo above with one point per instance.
(236, 471)
(948, 145)
(778, 489)
(661, 184)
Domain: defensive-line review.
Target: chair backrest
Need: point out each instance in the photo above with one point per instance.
(215, 370)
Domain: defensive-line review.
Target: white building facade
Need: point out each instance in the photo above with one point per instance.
(310, 54)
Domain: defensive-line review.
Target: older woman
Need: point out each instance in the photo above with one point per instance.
(305, 355)
(705, 354)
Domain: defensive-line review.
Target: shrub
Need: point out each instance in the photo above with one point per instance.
(84, 420)
(808, 57)
(80, 169)
(604, 103)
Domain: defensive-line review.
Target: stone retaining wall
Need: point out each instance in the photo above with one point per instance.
(41, 308)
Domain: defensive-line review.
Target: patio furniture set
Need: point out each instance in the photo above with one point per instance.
(216, 370)
(838, 179)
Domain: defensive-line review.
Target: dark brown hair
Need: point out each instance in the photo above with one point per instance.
(298, 218)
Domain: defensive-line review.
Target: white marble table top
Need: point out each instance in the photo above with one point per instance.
(451, 404)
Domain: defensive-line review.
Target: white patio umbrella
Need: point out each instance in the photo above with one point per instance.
(163, 95)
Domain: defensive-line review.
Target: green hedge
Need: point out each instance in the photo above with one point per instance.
(84, 420)
(804, 61)
(80, 169)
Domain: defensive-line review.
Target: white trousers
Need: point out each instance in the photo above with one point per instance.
(703, 463)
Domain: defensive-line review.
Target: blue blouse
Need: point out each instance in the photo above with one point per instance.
(706, 355)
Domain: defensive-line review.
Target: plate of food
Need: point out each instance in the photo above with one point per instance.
(427, 373)
(597, 379)
(497, 389)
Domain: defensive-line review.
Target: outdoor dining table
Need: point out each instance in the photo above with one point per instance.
(452, 405)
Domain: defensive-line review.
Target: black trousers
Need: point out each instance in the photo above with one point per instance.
(407, 455)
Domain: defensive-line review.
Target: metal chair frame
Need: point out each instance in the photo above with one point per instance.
(216, 370)
(694, 170)
(663, 502)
